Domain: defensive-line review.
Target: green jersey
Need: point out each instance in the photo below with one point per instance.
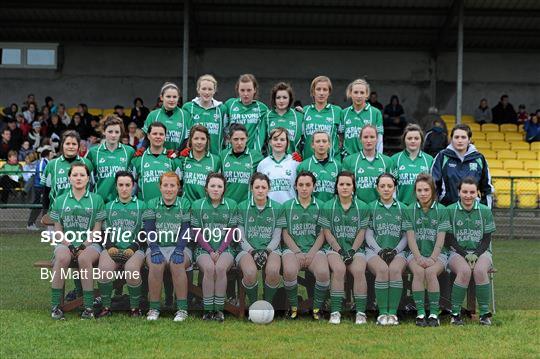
(168, 219)
(345, 224)
(238, 170)
(426, 225)
(366, 173)
(291, 120)
(387, 224)
(250, 116)
(56, 176)
(106, 163)
(213, 222)
(148, 168)
(212, 118)
(327, 120)
(194, 173)
(259, 225)
(325, 172)
(405, 170)
(303, 224)
(126, 218)
(468, 227)
(177, 121)
(78, 215)
(352, 123)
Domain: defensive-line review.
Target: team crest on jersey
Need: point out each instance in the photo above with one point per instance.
(419, 221)
(423, 168)
(348, 122)
(295, 217)
(269, 219)
(227, 165)
(216, 116)
(61, 171)
(288, 172)
(354, 219)
(248, 165)
(459, 223)
(361, 170)
(122, 159)
(473, 166)
(308, 118)
(67, 209)
(380, 170)
(205, 216)
(292, 123)
(188, 166)
(251, 219)
(168, 165)
(333, 174)
(379, 217)
(433, 222)
(478, 222)
(401, 168)
(102, 160)
(196, 117)
(133, 213)
(272, 124)
(235, 108)
(114, 214)
(146, 165)
(208, 168)
(336, 219)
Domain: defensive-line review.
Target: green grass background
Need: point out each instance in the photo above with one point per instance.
(27, 330)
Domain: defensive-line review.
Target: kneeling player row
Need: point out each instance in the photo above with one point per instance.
(343, 234)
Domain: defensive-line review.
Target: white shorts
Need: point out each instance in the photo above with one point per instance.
(443, 258)
(167, 253)
(357, 254)
(485, 254)
(287, 251)
(221, 255)
(94, 246)
(370, 253)
(243, 253)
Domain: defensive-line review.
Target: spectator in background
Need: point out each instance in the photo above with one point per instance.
(34, 137)
(132, 136)
(45, 154)
(119, 111)
(25, 150)
(86, 117)
(522, 114)
(24, 126)
(45, 114)
(55, 126)
(426, 123)
(30, 113)
(11, 111)
(17, 137)
(393, 113)
(374, 102)
(10, 176)
(78, 125)
(159, 104)
(5, 145)
(83, 148)
(30, 98)
(139, 112)
(532, 128)
(483, 113)
(436, 139)
(49, 102)
(504, 112)
(62, 113)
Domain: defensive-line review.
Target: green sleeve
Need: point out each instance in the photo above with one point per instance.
(489, 223)
(444, 220)
(134, 165)
(281, 221)
(101, 214)
(394, 165)
(347, 164)
(56, 210)
(364, 214)
(194, 217)
(378, 121)
(324, 217)
(408, 220)
(88, 164)
(45, 177)
(149, 119)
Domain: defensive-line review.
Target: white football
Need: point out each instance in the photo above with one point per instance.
(261, 312)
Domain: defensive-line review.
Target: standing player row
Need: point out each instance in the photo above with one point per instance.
(342, 234)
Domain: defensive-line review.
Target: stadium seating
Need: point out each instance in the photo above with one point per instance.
(535, 146)
(521, 128)
(108, 111)
(519, 146)
(497, 172)
(71, 111)
(527, 193)
(475, 127)
(506, 155)
(519, 173)
(95, 111)
(499, 145)
(490, 127)
(512, 136)
(508, 127)
(513, 165)
(532, 166)
(495, 136)
(468, 119)
(526, 155)
(490, 155)
(482, 145)
(495, 164)
(477, 135)
(448, 118)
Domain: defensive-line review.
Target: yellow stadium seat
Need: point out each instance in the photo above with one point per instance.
(532, 166)
(478, 135)
(468, 119)
(513, 136)
(496, 164)
(502, 185)
(490, 127)
(71, 111)
(527, 193)
(499, 145)
(505, 155)
(535, 146)
(519, 146)
(491, 155)
(520, 128)
(497, 172)
(513, 164)
(519, 173)
(448, 118)
(475, 128)
(95, 111)
(503, 199)
(482, 145)
(526, 155)
(494, 136)
(108, 111)
(508, 127)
